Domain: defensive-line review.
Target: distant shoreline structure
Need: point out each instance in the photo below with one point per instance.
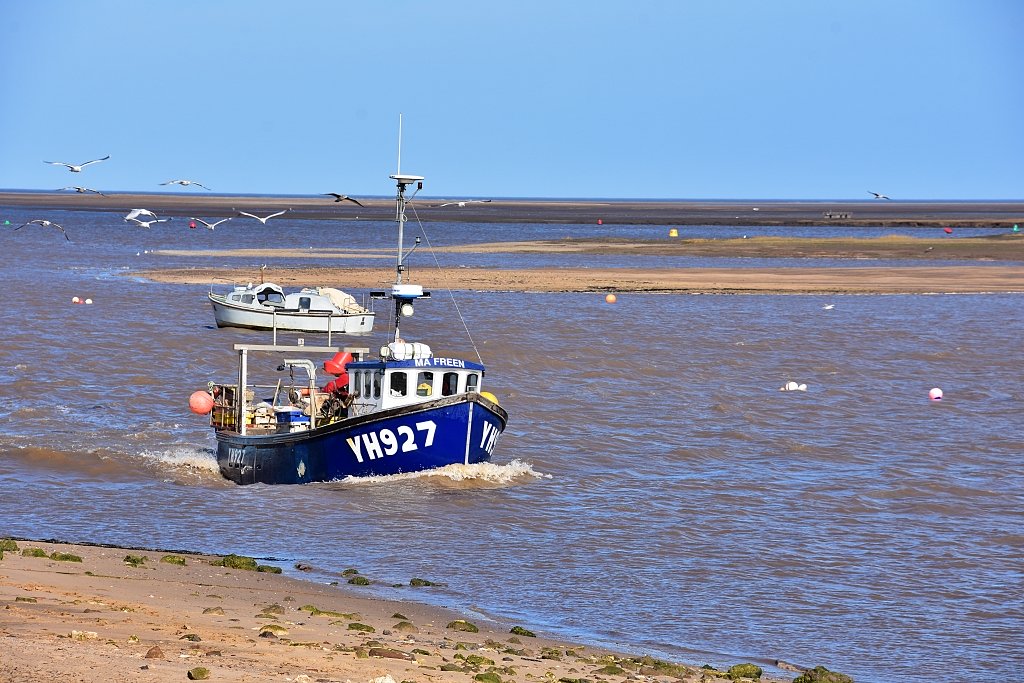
(854, 212)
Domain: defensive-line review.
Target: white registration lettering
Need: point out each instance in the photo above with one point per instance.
(357, 447)
(372, 446)
(410, 438)
(386, 442)
(390, 441)
(429, 428)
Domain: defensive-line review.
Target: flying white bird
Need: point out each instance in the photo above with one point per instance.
(81, 190)
(211, 226)
(147, 224)
(45, 224)
(342, 198)
(463, 203)
(264, 219)
(78, 168)
(185, 183)
(135, 213)
(878, 196)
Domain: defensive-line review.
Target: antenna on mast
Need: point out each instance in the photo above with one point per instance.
(399, 172)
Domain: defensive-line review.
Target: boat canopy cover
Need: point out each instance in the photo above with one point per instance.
(344, 301)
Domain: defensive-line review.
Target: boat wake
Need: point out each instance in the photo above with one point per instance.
(478, 475)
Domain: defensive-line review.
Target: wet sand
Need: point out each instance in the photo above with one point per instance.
(103, 619)
(719, 212)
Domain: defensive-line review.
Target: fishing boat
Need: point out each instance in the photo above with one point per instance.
(405, 410)
(266, 306)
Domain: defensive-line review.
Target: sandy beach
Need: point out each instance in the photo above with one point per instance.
(97, 613)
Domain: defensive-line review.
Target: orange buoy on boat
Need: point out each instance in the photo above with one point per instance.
(200, 402)
(336, 365)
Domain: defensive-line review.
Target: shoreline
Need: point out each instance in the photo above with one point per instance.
(986, 214)
(120, 613)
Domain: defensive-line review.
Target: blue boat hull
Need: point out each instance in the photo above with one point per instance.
(454, 430)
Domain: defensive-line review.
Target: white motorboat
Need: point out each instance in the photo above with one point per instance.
(266, 306)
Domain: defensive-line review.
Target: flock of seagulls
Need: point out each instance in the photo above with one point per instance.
(45, 224)
(211, 226)
(185, 183)
(81, 190)
(76, 169)
(263, 219)
(463, 203)
(342, 198)
(147, 224)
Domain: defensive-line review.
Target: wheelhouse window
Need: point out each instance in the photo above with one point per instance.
(398, 384)
(450, 384)
(247, 298)
(472, 382)
(367, 377)
(356, 383)
(304, 302)
(376, 384)
(425, 384)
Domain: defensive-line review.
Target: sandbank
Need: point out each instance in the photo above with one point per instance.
(809, 280)
(107, 619)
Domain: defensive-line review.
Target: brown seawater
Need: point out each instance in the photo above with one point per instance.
(654, 491)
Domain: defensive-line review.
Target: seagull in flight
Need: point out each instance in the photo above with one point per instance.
(81, 190)
(211, 226)
(45, 224)
(342, 198)
(463, 203)
(878, 196)
(265, 218)
(147, 224)
(185, 183)
(78, 168)
(135, 213)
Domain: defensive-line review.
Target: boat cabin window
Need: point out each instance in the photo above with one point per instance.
(367, 378)
(356, 383)
(304, 302)
(398, 384)
(473, 382)
(376, 384)
(450, 384)
(425, 384)
(244, 298)
(270, 296)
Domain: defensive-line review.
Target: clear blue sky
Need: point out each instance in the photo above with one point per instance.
(917, 99)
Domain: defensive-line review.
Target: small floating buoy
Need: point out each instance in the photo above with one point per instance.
(192, 224)
(611, 298)
(200, 402)
(1015, 228)
(88, 301)
(600, 221)
(673, 233)
(793, 386)
(75, 300)
(948, 231)
(935, 394)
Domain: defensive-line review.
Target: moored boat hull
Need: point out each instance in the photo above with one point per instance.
(228, 315)
(455, 430)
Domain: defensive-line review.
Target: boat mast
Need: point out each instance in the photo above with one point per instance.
(403, 294)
